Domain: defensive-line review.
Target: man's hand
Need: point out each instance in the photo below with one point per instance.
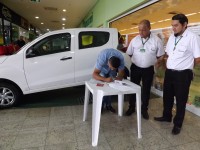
(100, 78)
(159, 62)
(109, 79)
(119, 78)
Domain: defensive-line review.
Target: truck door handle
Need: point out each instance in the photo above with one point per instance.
(66, 58)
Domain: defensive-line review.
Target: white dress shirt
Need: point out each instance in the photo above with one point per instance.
(145, 51)
(182, 55)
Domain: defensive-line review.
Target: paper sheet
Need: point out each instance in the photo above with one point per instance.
(120, 85)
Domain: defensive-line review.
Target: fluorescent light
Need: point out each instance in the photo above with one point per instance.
(167, 19)
(133, 27)
(191, 14)
(161, 21)
(123, 30)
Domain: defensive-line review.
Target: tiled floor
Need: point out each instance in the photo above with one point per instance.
(62, 128)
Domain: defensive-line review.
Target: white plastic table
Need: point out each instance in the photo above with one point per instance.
(98, 93)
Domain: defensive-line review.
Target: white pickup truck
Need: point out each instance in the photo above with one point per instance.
(55, 60)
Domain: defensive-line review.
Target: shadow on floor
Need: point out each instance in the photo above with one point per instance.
(61, 97)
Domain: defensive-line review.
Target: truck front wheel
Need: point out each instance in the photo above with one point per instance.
(9, 95)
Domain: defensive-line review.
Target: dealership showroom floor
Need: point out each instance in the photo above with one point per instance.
(40, 126)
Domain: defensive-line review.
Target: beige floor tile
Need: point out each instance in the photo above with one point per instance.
(60, 135)
(33, 122)
(190, 146)
(13, 115)
(192, 131)
(7, 141)
(66, 146)
(60, 122)
(57, 112)
(39, 112)
(151, 141)
(87, 145)
(29, 140)
(32, 148)
(120, 142)
(60, 128)
(175, 140)
(10, 128)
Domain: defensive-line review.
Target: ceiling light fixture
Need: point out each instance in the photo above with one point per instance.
(134, 27)
(42, 23)
(63, 19)
(64, 10)
(167, 19)
(37, 17)
(191, 14)
(123, 30)
(161, 21)
(63, 24)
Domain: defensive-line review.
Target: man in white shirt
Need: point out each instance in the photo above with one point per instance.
(145, 50)
(182, 53)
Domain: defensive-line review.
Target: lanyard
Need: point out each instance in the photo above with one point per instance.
(144, 41)
(176, 42)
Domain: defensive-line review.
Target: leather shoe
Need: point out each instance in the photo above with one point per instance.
(176, 130)
(145, 115)
(163, 119)
(111, 109)
(130, 111)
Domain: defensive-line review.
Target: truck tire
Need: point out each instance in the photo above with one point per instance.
(9, 95)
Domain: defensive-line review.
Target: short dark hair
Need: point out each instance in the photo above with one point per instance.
(146, 22)
(114, 61)
(181, 18)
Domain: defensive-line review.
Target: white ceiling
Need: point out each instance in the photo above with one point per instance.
(76, 10)
(50, 12)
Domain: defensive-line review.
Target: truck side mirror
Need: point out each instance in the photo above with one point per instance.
(31, 53)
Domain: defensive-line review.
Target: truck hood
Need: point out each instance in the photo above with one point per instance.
(3, 58)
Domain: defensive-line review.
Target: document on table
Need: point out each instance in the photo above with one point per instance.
(120, 85)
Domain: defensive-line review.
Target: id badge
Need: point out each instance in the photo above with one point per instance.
(142, 50)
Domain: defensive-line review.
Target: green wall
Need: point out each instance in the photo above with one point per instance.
(106, 10)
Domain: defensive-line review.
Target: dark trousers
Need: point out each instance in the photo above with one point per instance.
(146, 76)
(176, 84)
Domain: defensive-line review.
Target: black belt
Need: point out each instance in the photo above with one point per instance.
(179, 70)
(142, 68)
